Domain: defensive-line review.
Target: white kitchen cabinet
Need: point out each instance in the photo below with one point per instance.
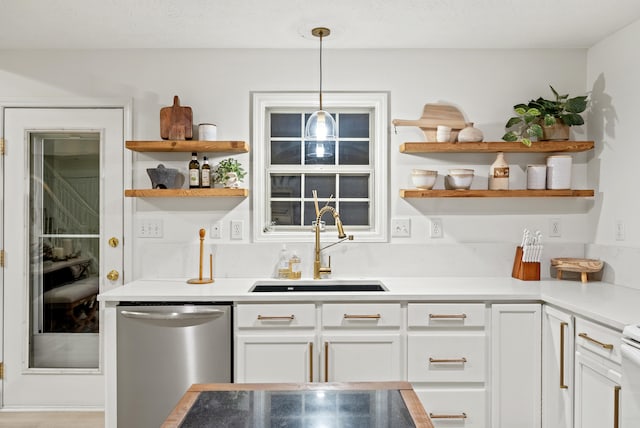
(362, 342)
(275, 343)
(597, 376)
(447, 361)
(516, 365)
(557, 368)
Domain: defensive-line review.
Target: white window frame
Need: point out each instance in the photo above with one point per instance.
(263, 102)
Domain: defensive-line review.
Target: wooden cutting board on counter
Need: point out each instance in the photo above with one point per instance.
(434, 115)
(176, 122)
(569, 264)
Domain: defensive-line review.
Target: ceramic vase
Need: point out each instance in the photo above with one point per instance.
(469, 134)
(499, 174)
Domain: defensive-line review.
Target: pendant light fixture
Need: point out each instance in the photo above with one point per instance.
(321, 126)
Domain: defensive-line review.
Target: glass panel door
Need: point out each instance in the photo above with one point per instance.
(64, 243)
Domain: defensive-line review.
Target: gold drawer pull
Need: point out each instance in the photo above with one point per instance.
(616, 406)
(271, 318)
(362, 317)
(608, 346)
(447, 316)
(310, 361)
(444, 416)
(448, 360)
(563, 325)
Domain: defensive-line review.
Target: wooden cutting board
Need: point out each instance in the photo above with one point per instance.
(584, 266)
(176, 122)
(434, 115)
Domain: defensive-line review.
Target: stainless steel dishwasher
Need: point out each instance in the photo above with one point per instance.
(162, 350)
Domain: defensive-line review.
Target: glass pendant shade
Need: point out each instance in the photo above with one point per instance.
(320, 126)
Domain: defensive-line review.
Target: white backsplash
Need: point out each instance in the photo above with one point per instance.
(619, 263)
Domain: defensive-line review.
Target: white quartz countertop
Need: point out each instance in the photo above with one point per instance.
(610, 304)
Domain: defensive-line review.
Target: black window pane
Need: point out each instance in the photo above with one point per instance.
(285, 152)
(285, 213)
(354, 186)
(310, 213)
(285, 186)
(320, 153)
(354, 213)
(354, 153)
(354, 125)
(324, 184)
(286, 125)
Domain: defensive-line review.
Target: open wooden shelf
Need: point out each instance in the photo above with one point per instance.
(182, 193)
(498, 146)
(472, 193)
(188, 146)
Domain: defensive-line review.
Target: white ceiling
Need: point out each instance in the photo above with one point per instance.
(117, 24)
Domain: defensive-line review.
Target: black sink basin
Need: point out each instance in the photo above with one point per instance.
(316, 286)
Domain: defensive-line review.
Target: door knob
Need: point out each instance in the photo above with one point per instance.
(113, 275)
(113, 242)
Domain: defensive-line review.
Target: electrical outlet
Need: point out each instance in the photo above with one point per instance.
(619, 230)
(216, 230)
(400, 228)
(150, 228)
(436, 230)
(555, 228)
(236, 229)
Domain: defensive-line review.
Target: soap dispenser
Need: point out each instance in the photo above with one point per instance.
(294, 267)
(282, 270)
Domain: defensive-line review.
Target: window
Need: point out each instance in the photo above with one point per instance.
(349, 173)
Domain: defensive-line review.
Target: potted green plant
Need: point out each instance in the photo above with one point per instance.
(552, 117)
(229, 172)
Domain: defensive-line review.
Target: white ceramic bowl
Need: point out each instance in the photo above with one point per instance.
(424, 178)
(459, 181)
(461, 171)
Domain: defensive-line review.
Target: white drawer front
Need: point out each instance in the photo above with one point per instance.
(446, 314)
(598, 339)
(454, 407)
(361, 315)
(446, 358)
(276, 315)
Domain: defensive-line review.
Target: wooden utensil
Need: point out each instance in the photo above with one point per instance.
(176, 122)
(434, 115)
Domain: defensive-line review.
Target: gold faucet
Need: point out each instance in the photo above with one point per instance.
(318, 269)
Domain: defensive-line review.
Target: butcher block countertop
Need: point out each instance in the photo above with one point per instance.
(380, 404)
(606, 303)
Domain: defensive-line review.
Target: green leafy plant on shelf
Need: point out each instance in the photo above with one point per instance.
(533, 118)
(229, 172)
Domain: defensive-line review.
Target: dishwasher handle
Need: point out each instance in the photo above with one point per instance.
(199, 314)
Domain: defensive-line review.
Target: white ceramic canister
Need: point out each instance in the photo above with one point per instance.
(559, 172)
(443, 134)
(207, 132)
(469, 134)
(536, 177)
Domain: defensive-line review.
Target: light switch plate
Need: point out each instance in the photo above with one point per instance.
(149, 228)
(400, 228)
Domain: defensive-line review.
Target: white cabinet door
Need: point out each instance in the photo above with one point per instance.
(597, 394)
(275, 358)
(557, 368)
(361, 358)
(516, 365)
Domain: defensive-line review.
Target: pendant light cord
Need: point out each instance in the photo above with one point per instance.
(321, 34)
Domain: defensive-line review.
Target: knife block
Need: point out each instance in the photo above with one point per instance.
(525, 271)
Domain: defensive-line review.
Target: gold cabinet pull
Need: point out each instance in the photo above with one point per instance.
(448, 416)
(448, 360)
(326, 361)
(608, 346)
(362, 317)
(276, 317)
(310, 361)
(113, 242)
(563, 325)
(447, 316)
(113, 275)
(616, 406)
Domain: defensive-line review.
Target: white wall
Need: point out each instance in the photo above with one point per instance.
(480, 234)
(612, 79)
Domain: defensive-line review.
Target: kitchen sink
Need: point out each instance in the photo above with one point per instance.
(322, 285)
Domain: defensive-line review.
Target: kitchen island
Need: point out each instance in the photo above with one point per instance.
(362, 404)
